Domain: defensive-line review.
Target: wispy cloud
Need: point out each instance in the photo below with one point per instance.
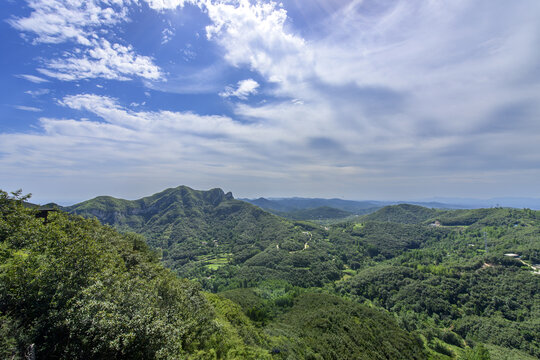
(165, 4)
(166, 35)
(27, 108)
(33, 78)
(38, 92)
(244, 89)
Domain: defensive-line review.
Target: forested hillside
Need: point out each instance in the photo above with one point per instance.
(295, 288)
(294, 204)
(403, 213)
(199, 232)
(71, 288)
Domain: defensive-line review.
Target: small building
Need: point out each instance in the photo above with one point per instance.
(512, 255)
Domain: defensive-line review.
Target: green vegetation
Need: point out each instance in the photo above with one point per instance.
(222, 242)
(403, 213)
(333, 328)
(71, 288)
(319, 213)
(404, 282)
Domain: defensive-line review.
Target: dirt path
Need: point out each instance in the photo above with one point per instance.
(306, 244)
(534, 269)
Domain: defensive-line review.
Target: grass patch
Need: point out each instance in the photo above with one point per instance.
(358, 226)
(214, 263)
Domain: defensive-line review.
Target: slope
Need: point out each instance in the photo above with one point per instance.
(402, 213)
(71, 288)
(199, 233)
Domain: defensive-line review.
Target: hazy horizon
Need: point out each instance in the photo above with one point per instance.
(516, 202)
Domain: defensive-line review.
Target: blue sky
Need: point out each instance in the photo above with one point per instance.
(393, 99)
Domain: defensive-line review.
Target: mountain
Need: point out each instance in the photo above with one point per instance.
(402, 213)
(319, 213)
(293, 204)
(188, 224)
(198, 233)
(155, 209)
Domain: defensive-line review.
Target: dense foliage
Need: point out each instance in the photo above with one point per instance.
(199, 233)
(403, 213)
(427, 267)
(333, 328)
(319, 213)
(71, 288)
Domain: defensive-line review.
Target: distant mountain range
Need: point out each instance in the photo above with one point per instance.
(321, 209)
(298, 208)
(124, 212)
(471, 203)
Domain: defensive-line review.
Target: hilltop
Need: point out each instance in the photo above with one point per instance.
(402, 213)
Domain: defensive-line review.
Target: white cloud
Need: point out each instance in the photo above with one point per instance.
(153, 138)
(84, 23)
(394, 71)
(56, 21)
(281, 146)
(446, 62)
(33, 78)
(166, 35)
(104, 60)
(245, 88)
(165, 4)
(255, 35)
(28, 108)
(36, 93)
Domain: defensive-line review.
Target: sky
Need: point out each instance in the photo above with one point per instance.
(373, 99)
